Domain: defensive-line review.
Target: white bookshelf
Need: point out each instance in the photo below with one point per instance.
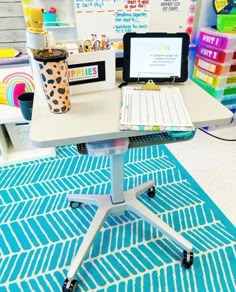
(9, 154)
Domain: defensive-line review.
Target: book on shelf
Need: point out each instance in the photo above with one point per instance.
(21, 59)
(154, 110)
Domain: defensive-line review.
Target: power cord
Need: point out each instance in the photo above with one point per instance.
(220, 138)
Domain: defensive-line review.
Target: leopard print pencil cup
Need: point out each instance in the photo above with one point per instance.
(54, 74)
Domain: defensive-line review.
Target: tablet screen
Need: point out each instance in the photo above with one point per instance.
(156, 56)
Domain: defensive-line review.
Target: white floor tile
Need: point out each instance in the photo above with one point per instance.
(212, 163)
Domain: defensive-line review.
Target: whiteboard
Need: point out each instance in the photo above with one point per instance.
(113, 18)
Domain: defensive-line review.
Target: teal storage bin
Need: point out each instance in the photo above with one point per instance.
(50, 19)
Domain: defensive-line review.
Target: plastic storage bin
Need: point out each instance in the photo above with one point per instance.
(212, 37)
(229, 102)
(212, 54)
(218, 93)
(108, 147)
(214, 80)
(214, 67)
(226, 23)
(228, 98)
(50, 19)
(231, 107)
(19, 135)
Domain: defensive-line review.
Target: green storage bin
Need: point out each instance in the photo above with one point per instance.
(218, 93)
(226, 23)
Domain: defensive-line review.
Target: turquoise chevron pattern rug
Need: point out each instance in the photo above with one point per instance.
(40, 234)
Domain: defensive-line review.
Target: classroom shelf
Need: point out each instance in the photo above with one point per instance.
(59, 24)
(8, 154)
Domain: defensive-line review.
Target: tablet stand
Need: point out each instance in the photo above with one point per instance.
(169, 75)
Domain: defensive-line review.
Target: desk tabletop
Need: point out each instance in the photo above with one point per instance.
(95, 116)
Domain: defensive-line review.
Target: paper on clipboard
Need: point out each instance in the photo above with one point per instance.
(162, 110)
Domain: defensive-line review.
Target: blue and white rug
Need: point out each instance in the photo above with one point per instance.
(40, 234)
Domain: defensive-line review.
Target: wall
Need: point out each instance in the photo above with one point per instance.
(65, 11)
(101, 17)
(206, 15)
(12, 29)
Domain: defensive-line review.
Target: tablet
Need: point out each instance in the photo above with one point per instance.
(161, 57)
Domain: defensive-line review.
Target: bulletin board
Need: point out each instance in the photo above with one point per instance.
(116, 17)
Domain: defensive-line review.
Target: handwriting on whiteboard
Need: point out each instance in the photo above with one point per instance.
(122, 15)
(170, 5)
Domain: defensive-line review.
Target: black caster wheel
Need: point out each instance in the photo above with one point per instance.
(70, 286)
(75, 205)
(151, 192)
(187, 261)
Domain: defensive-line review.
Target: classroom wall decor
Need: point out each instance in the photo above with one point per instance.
(116, 17)
(225, 6)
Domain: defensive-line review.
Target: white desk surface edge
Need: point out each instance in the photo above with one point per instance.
(95, 116)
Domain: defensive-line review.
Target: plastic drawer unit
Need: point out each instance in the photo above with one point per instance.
(228, 99)
(229, 103)
(212, 37)
(215, 80)
(108, 147)
(226, 23)
(218, 93)
(214, 67)
(226, 56)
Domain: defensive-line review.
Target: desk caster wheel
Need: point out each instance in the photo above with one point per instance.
(187, 261)
(151, 192)
(75, 205)
(70, 286)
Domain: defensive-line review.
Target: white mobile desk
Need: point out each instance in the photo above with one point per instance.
(95, 116)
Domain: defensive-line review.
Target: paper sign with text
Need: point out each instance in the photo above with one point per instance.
(83, 73)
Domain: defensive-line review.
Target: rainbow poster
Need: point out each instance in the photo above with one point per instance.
(13, 82)
(20, 77)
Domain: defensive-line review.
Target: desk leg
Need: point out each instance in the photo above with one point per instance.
(91, 233)
(118, 202)
(165, 229)
(117, 178)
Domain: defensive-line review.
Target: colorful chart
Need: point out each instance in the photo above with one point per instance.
(225, 6)
(21, 77)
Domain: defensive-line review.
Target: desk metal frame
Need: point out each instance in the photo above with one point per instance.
(95, 117)
(116, 203)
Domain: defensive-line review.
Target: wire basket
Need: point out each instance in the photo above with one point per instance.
(19, 135)
(226, 23)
